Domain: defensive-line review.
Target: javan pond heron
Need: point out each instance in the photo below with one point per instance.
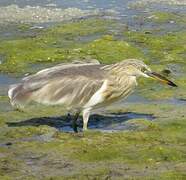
(82, 87)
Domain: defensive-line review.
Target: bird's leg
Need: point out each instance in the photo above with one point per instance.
(86, 114)
(69, 117)
(74, 121)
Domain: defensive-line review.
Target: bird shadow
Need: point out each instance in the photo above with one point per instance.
(108, 122)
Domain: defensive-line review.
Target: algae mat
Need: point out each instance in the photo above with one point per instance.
(35, 148)
(149, 138)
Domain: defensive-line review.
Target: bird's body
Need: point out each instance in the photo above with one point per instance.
(79, 87)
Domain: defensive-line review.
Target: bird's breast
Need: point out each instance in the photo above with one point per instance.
(111, 91)
(117, 90)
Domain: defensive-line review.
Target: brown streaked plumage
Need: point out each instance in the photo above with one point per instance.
(81, 87)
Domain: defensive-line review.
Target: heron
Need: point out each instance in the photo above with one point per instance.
(82, 88)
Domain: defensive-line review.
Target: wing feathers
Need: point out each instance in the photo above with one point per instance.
(70, 84)
(18, 95)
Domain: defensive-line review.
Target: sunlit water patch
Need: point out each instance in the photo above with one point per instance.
(5, 81)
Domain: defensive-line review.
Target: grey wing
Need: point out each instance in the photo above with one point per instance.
(58, 85)
(72, 92)
(89, 70)
(59, 69)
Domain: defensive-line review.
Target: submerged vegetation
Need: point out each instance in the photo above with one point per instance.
(35, 148)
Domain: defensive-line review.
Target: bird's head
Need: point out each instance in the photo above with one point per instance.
(134, 67)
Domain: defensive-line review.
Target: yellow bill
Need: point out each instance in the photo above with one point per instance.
(161, 78)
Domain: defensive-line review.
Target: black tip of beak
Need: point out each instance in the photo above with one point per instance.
(170, 83)
(162, 79)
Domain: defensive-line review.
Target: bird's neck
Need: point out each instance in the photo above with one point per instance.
(115, 70)
(119, 76)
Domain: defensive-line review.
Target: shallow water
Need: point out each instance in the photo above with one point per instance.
(121, 9)
(5, 81)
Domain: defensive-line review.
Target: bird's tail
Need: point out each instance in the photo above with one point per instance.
(19, 97)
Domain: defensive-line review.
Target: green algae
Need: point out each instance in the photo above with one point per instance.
(63, 43)
(172, 175)
(51, 45)
(169, 48)
(142, 124)
(18, 132)
(147, 148)
(110, 147)
(108, 50)
(8, 167)
(167, 17)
